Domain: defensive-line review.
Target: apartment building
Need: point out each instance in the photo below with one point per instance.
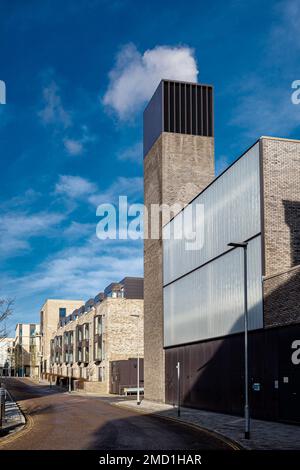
(194, 298)
(27, 350)
(51, 313)
(106, 328)
(7, 356)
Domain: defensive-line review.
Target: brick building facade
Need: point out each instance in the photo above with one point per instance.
(105, 329)
(213, 370)
(196, 317)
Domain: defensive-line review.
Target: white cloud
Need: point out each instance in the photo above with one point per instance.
(73, 136)
(263, 104)
(77, 230)
(20, 201)
(79, 272)
(73, 147)
(133, 154)
(135, 76)
(284, 32)
(262, 109)
(130, 187)
(17, 229)
(77, 146)
(53, 111)
(66, 272)
(74, 186)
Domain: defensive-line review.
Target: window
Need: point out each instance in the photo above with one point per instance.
(79, 334)
(79, 355)
(86, 331)
(116, 293)
(101, 374)
(86, 354)
(62, 312)
(99, 350)
(98, 325)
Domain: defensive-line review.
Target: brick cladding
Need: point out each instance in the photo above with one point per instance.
(281, 223)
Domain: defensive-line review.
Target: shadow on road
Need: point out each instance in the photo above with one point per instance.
(152, 432)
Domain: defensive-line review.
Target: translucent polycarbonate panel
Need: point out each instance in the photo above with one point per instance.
(228, 210)
(209, 302)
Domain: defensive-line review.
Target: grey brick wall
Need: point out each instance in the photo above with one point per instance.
(282, 298)
(281, 225)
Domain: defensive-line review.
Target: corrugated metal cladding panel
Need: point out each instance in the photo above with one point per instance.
(209, 302)
(231, 208)
(179, 107)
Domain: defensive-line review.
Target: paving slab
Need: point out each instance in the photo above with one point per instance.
(14, 418)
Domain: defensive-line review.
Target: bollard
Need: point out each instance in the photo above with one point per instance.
(2, 406)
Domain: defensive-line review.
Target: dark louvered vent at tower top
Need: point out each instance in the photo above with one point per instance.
(179, 107)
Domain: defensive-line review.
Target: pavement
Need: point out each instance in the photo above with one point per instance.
(14, 419)
(57, 420)
(265, 435)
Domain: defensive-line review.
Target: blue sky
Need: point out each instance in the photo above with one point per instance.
(78, 75)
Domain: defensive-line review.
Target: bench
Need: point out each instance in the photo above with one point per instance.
(132, 391)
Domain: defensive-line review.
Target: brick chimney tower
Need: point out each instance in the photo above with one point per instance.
(178, 164)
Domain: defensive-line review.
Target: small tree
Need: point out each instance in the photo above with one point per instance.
(6, 310)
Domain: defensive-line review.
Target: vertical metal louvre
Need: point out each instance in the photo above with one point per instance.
(188, 108)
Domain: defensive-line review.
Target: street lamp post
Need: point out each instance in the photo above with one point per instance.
(178, 388)
(22, 373)
(70, 380)
(39, 366)
(138, 361)
(244, 245)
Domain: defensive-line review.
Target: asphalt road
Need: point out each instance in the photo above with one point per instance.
(59, 421)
